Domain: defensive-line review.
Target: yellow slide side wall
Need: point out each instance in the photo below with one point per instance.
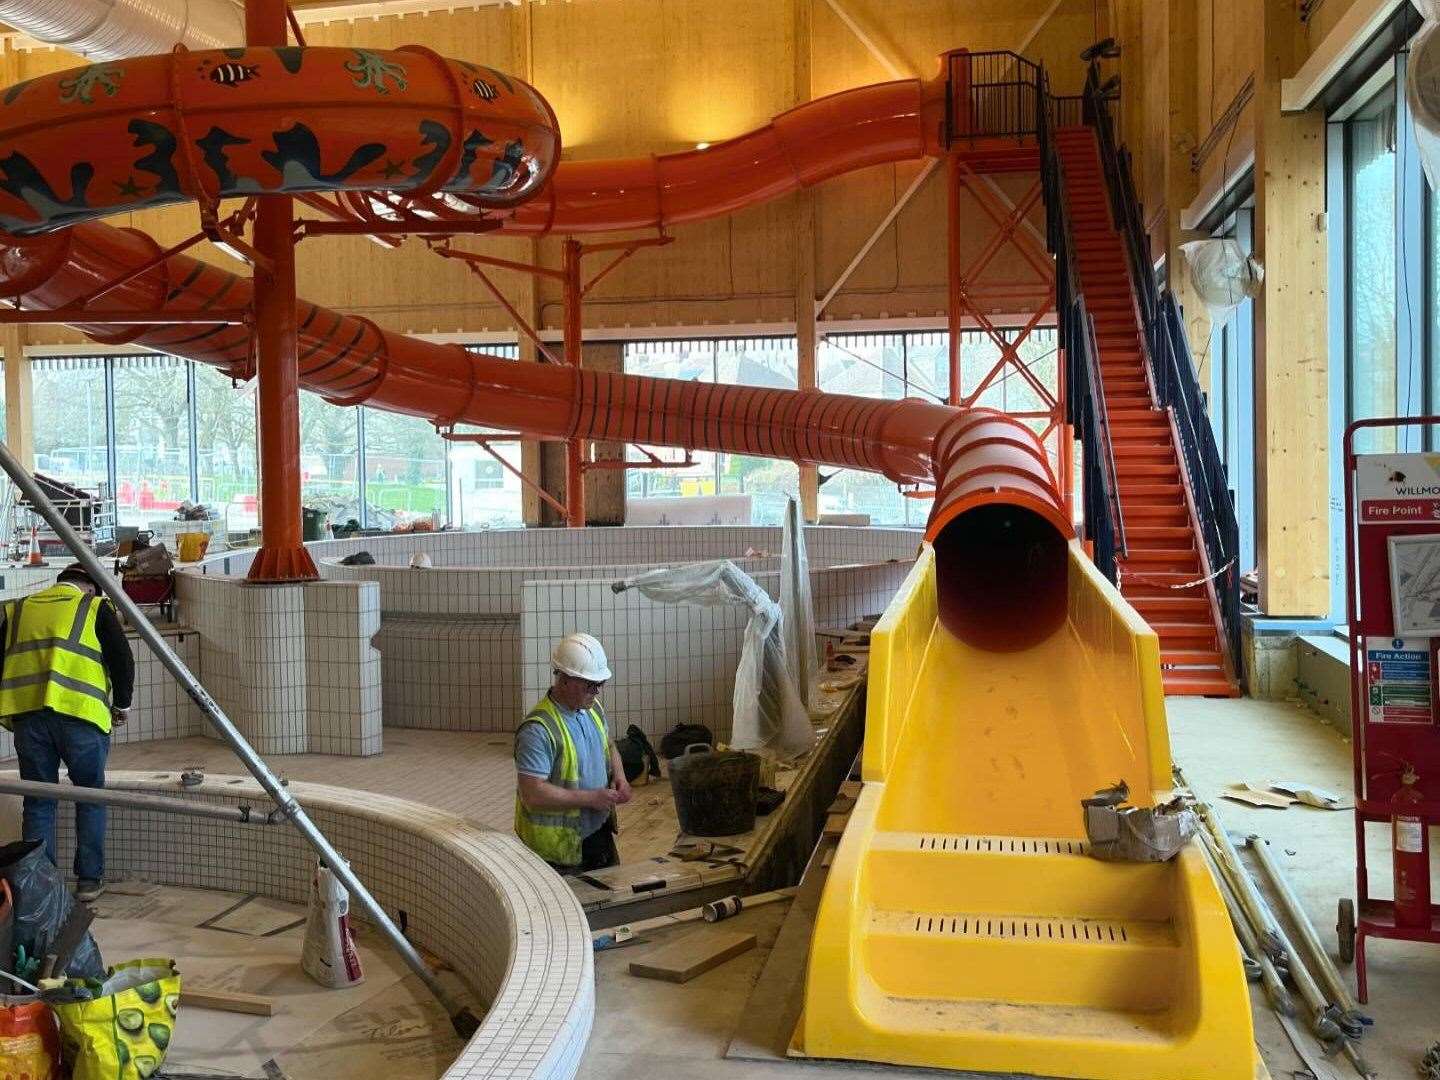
(897, 653)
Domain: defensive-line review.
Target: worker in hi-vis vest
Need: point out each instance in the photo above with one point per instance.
(569, 778)
(66, 677)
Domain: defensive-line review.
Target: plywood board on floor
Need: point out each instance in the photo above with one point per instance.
(694, 954)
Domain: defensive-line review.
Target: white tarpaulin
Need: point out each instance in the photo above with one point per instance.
(797, 608)
(1422, 92)
(1223, 275)
(768, 712)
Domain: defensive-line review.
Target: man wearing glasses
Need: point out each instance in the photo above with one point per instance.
(568, 773)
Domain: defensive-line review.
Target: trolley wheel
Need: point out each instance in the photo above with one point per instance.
(1345, 929)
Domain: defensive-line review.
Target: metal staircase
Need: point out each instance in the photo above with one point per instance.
(1157, 506)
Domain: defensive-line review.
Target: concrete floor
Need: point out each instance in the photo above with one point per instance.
(664, 1030)
(658, 1029)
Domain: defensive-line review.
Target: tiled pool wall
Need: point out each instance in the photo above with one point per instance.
(476, 898)
(323, 667)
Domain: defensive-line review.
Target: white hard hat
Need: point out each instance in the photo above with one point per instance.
(581, 656)
(420, 561)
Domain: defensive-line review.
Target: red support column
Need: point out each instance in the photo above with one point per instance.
(574, 330)
(956, 324)
(282, 555)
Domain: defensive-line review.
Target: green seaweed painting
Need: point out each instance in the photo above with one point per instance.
(372, 69)
(82, 86)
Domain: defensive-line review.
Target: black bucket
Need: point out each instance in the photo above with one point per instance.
(715, 790)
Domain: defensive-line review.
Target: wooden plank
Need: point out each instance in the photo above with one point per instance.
(227, 1001)
(692, 955)
(835, 824)
(851, 788)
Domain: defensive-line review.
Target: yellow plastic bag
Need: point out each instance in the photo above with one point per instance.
(124, 1032)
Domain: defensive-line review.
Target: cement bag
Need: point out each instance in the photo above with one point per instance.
(29, 1043)
(124, 1028)
(42, 904)
(328, 955)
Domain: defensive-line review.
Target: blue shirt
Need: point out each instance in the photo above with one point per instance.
(536, 755)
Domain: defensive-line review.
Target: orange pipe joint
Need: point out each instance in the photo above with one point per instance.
(1000, 531)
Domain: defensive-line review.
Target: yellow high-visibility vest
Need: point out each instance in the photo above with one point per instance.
(53, 658)
(554, 835)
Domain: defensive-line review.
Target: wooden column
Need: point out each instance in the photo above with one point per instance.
(806, 331)
(1181, 182)
(19, 395)
(1291, 397)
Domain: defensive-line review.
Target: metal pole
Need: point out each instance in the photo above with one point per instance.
(136, 800)
(1309, 939)
(464, 1021)
(1269, 978)
(574, 333)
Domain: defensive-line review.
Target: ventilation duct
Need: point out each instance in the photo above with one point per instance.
(114, 29)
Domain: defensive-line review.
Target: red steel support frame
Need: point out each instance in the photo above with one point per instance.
(282, 555)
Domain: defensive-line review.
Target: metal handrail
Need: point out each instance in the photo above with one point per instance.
(1085, 406)
(1173, 376)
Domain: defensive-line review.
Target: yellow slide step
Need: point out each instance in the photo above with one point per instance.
(964, 924)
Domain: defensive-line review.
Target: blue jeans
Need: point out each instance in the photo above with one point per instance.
(43, 739)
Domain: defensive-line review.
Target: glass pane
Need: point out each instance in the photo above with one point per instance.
(225, 448)
(152, 438)
(70, 443)
(484, 493)
(688, 361)
(1371, 166)
(404, 468)
(329, 458)
(928, 363)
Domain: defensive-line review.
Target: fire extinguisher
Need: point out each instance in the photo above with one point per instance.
(1411, 853)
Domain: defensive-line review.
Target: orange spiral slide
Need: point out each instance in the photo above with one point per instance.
(464, 139)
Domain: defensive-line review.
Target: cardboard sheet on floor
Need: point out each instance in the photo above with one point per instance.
(166, 904)
(257, 916)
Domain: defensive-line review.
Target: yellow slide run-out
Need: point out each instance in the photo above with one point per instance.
(964, 925)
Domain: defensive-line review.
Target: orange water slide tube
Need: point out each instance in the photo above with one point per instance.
(115, 137)
(996, 503)
(811, 143)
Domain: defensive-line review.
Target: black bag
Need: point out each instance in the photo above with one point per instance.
(42, 904)
(683, 735)
(635, 753)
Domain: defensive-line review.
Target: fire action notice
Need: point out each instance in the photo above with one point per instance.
(1397, 677)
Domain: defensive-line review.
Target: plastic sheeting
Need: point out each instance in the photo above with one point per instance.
(1422, 91)
(768, 713)
(1223, 275)
(797, 607)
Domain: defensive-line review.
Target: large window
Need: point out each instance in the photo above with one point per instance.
(739, 361)
(152, 437)
(226, 462)
(1232, 396)
(71, 428)
(1377, 385)
(330, 458)
(404, 466)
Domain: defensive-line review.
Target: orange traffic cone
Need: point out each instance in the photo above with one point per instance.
(34, 558)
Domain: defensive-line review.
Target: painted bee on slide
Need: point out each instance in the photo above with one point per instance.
(231, 74)
(484, 90)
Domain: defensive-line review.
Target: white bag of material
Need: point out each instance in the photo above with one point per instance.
(328, 955)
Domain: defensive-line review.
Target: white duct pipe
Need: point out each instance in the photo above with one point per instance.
(115, 29)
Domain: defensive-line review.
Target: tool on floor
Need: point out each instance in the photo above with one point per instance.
(1353, 1020)
(71, 935)
(462, 1018)
(1324, 1016)
(1275, 991)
